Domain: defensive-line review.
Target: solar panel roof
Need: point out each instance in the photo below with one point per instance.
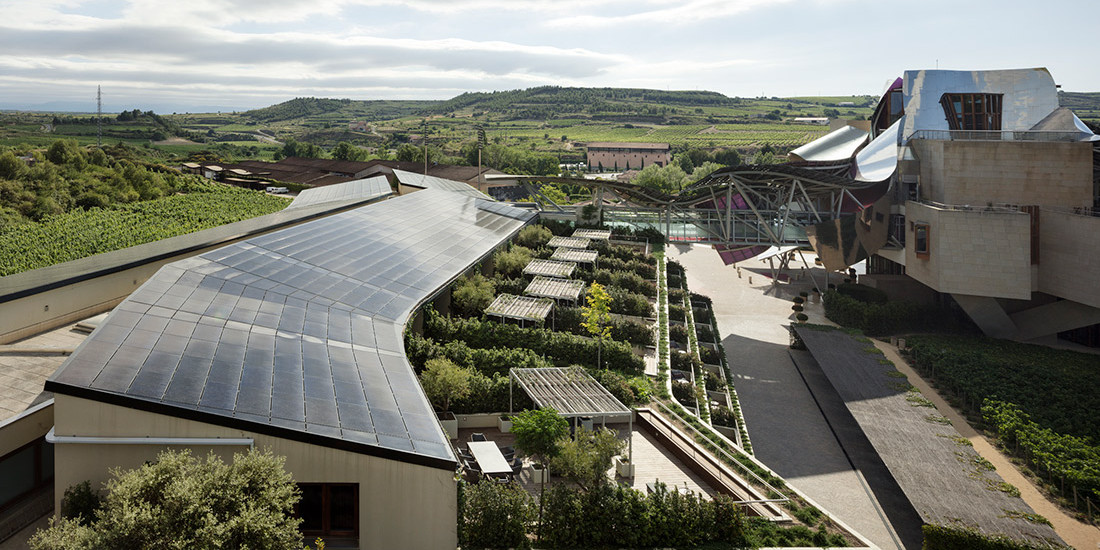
(352, 191)
(432, 182)
(297, 333)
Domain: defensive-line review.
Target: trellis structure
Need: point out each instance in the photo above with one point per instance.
(557, 289)
(572, 392)
(521, 308)
(549, 268)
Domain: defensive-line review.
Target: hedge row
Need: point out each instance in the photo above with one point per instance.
(568, 319)
(487, 361)
(879, 319)
(559, 347)
(943, 537)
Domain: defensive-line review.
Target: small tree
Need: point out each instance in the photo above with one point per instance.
(443, 381)
(586, 458)
(538, 433)
(181, 501)
(597, 316)
(495, 516)
(471, 295)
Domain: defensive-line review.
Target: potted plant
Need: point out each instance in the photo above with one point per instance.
(623, 467)
(505, 424)
(443, 381)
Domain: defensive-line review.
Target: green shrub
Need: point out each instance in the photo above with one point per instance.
(80, 503)
(676, 313)
(863, 293)
(629, 303)
(876, 319)
(495, 515)
(510, 263)
(471, 295)
(534, 236)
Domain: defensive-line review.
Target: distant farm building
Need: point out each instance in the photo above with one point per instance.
(358, 126)
(626, 156)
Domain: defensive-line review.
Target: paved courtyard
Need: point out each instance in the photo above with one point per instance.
(25, 366)
(788, 430)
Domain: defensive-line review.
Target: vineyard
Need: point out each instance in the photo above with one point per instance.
(81, 233)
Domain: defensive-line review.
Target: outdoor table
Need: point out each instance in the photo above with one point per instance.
(489, 458)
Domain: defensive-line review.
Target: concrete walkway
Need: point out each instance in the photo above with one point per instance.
(788, 430)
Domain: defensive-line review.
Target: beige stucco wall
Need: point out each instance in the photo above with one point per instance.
(26, 427)
(980, 172)
(974, 252)
(1069, 261)
(636, 160)
(401, 505)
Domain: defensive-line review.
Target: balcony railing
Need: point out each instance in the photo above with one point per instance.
(994, 135)
(988, 208)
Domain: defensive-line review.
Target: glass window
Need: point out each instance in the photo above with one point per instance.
(329, 509)
(17, 477)
(920, 240)
(972, 111)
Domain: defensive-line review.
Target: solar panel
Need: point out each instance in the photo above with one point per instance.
(300, 329)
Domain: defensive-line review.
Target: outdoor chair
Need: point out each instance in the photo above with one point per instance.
(508, 451)
(478, 436)
(517, 466)
(465, 454)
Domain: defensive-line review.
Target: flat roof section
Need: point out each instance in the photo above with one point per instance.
(552, 287)
(569, 242)
(594, 234)
(523, 308)
(549, 268)
(297, 333)
(578, 255)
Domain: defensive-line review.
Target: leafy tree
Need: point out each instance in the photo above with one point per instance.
(443, 381)
(510, 263)
(597, 315)
(539, 433)
(668, 179)
(347, 151)
(180, 501)
(471, 295)
(586, 458)
(534, 236)
(10, 165)
(727, 157)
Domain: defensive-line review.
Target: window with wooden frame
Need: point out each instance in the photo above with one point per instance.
(329, 510)
(921, 236)
(972, 111)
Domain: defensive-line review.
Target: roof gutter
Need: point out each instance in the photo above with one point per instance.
(55, 439)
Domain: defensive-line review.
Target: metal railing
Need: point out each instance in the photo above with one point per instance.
(995, 135)
(984, 209)
(1074, 210)
(732, 461)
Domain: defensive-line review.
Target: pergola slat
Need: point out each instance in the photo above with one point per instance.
(550, 268)
(569, 242)
(569, 390)
(520, 307)
(551, 287)
(578, 255)
(593, 234)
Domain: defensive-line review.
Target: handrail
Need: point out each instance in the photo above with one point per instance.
(1086, 211)
(732, 459)
(995, 135)
(988, 209)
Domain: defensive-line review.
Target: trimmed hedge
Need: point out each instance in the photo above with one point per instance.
(880, 319)
(568, 319)
(560, 347)
(487, 361)
(863, 293)
(620, 517)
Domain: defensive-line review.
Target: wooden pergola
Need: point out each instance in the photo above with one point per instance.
(521, 308)
(572, 392)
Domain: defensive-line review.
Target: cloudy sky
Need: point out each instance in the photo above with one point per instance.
(195, 55)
